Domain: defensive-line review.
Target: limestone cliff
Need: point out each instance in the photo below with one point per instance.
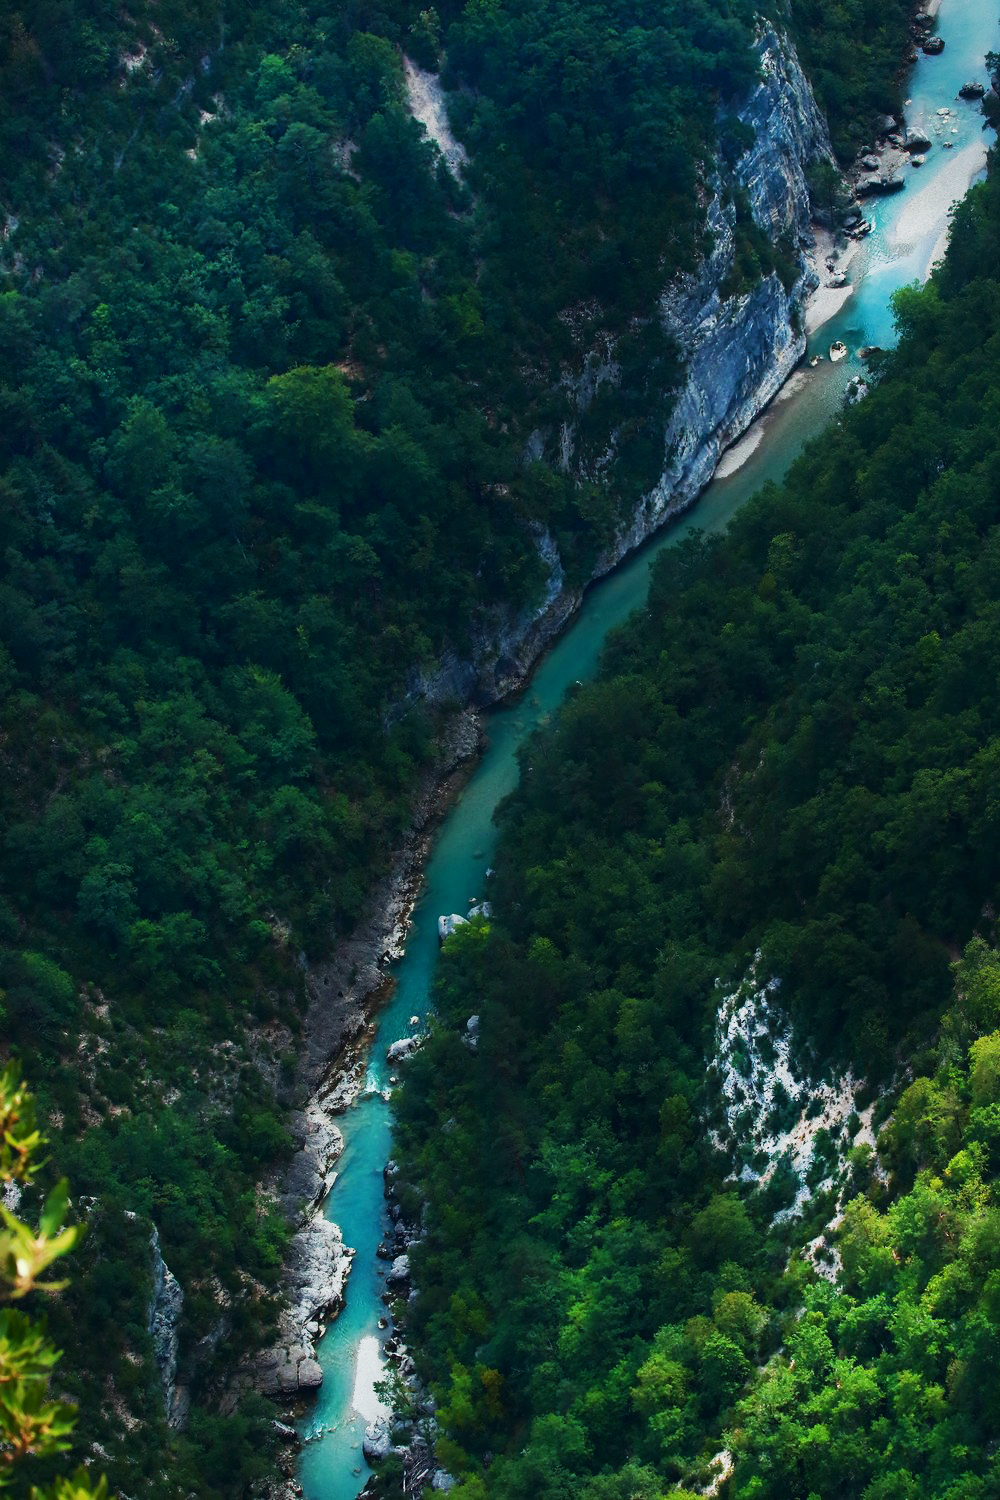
(163, 1317)
(738, 351)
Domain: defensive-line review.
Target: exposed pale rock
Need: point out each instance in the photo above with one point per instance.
(774, 1115)
(316, 1270)
(448, 924)
(377, 1440)
(405, 1047)
(741, 350)
(320, 1143)
(873, 187)
(427, 104)
(399, 1272)
(164, 1315)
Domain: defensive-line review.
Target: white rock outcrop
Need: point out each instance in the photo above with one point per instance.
(316, 1270)
(164, 1316)
(427, 104)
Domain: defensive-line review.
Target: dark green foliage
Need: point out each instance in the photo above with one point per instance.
(854, 55)
(792, 749)
(267, 373)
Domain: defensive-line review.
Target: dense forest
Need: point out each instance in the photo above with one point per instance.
(267, 371)
(778, 802)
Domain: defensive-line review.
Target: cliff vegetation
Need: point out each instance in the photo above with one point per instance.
(267, 374)
(712, 1201)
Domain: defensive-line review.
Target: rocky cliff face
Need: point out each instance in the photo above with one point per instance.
(739, 351)
(163, 1320)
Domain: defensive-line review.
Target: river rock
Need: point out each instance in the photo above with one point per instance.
(870, 187)
(917, 140)
(448, 924)
(284, 1372)
(972, 90)
(933, 45)
(402, 1049)
(377, 1440)
(399, 1272)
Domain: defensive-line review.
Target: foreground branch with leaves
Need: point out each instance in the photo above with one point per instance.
(31, 1424)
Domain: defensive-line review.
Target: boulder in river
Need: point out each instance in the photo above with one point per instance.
(377, 1440)
(870, 187)
(447, 925)
(972, 90)
(933, 45)
(399, 1271)
(405, 1047)
(917, 140)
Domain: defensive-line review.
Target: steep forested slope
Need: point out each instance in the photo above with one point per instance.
(266, 375)
(777, 807)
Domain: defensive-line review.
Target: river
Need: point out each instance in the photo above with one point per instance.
(908, 230)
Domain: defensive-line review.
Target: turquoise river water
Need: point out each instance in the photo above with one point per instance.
(907, 236)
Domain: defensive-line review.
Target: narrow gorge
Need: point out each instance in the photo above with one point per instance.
(739, 351)
(385, 389)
